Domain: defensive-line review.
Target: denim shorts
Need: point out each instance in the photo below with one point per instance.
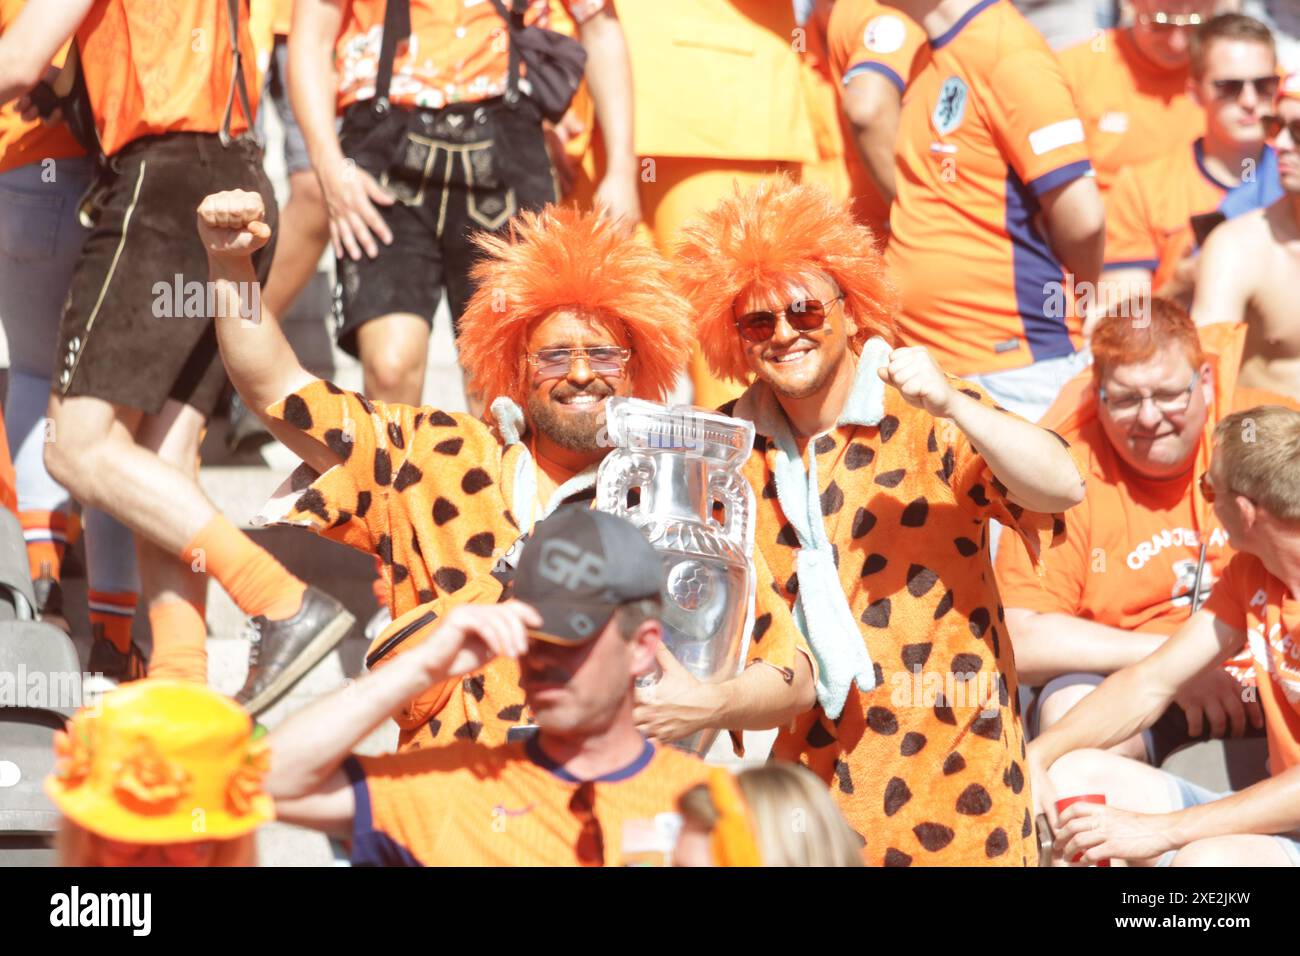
(1186, 794)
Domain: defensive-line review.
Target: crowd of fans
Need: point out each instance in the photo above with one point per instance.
(1002, 288)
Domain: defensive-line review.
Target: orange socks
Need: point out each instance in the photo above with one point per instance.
(46, 534)
(111, 613)
(255, 581)
(180, 642)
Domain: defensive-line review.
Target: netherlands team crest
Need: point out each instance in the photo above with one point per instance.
(951, 107)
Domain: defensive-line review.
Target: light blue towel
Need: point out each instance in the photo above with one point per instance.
(822, 609)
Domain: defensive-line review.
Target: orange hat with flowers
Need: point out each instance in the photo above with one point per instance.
(161, 761)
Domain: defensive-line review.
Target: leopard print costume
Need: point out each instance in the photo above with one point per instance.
(432, 494)
(924, 778)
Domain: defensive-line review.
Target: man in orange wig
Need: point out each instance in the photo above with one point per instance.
(874, 512)
(569, 312)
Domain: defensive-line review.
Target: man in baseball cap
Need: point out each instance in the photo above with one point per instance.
(582, 618)
(582, 566)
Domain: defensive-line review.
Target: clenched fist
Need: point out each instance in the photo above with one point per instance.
(919, 380)
(232, 224)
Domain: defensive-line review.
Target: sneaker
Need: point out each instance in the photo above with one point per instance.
(108, 667)
(283, 651)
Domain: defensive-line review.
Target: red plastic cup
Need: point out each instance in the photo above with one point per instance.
(1082, 798)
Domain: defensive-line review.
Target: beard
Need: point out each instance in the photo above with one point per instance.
(574, 431)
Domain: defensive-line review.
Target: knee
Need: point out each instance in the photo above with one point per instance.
(1214, 851)
(1055, 704)
(67, 456)
(393, 373)
(1081, 771)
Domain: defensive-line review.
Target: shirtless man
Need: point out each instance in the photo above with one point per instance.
(1250, 265)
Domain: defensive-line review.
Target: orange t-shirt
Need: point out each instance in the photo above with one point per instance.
(154, 68)
(1149, 210)
(1250, 599)
(988, 125)
(458, 50)
(1133, 110)
(865, 36)
(470, 805)
(23, 142)
(717, 79)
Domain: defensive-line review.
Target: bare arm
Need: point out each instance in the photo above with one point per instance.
(1133, 698)
(872, 104)
(1036, 468)
(1039, 473)
(759, 698)
(1270, 806)
(1075, 221)
(1224, 276)
(609, 77)
(259, 359)
(1050, 644)
(32, 41)
(349, 191)
(1117, 286)
(309, 748)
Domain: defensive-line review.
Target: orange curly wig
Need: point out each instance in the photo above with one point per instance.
(561, 258)
(778, 234)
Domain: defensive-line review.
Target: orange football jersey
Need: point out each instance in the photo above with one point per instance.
(988, 126)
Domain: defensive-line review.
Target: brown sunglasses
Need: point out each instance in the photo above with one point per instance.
(804, 315)
(1273, 126)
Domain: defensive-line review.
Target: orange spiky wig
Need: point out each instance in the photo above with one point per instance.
(778, 234)
(563, 259)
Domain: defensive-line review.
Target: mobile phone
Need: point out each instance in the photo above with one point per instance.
(1203, 224)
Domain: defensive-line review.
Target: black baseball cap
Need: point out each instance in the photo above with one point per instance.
(578, 566)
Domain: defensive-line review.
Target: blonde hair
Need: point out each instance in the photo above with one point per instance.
(1258, 455)
(795, 821)
(76, 847)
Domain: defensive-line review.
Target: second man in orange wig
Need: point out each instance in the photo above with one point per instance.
(874, 504)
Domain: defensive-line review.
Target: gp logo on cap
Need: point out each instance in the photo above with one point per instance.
(567, 565)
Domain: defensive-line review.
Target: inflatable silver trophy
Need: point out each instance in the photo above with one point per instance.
(697, 511)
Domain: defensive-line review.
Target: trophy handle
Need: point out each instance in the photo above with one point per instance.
(732, 491)
(620, 472)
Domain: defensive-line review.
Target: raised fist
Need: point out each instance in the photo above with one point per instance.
(232, 224)
(919, 379)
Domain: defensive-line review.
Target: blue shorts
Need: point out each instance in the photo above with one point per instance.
(1030, 391)
(1187, 794)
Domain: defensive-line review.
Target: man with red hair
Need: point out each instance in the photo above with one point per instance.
(568, 312)
(874, 512)
(1144, 549)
